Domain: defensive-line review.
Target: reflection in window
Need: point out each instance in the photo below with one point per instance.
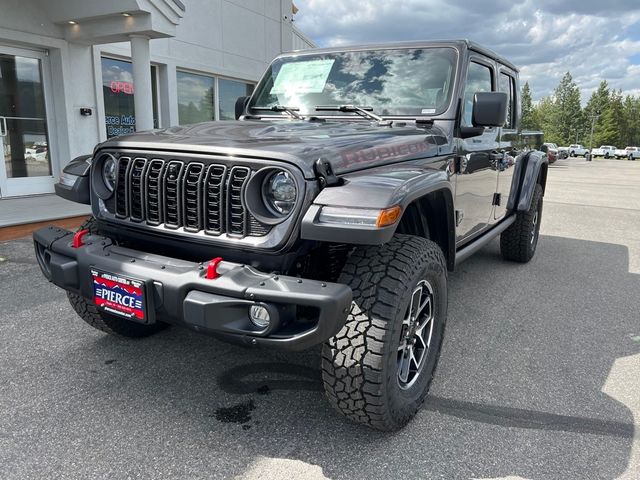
(118, 92)
(507, 85)
(24, 148)
(228, 93)
(195, 98)
(394, 82)
(478, 80)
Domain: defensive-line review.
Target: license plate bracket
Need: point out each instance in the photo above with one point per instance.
(120, 295)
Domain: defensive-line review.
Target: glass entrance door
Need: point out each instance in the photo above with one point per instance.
(25, 150)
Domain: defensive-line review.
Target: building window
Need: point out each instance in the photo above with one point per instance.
(196, 98)
(118, 91)
(228, 93)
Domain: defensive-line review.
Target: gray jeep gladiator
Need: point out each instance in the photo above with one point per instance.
(329, 213)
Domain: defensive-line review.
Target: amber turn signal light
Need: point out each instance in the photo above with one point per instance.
(388, 216)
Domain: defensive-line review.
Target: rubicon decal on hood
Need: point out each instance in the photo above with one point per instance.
(399, 151)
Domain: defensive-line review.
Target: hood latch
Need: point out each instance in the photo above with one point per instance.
(325, 174)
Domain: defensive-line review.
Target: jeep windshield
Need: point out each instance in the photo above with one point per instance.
(410, 82)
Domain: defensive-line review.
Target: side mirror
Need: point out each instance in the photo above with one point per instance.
(241, 104)
(489, 109)
(544, 148)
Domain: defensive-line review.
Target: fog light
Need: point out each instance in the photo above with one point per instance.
(259, 316)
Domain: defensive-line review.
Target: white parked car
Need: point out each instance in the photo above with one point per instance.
(630, 153)
(36, 154)
(606, 151)
(577, 150)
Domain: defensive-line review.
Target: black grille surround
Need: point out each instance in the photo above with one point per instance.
(186, 195)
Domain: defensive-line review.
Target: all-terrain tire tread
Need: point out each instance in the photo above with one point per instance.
(515, 240)
(352, 361)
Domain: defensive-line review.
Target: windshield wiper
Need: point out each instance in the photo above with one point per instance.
(366, 112)
(291, 111)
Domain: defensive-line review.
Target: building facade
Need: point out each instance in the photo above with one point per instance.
(76, 72)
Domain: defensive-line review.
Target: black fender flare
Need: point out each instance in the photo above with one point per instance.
(529, 167)
(77, 192)
(379, 191)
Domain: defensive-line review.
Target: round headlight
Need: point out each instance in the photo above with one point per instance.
(109, 172)
(279, 192)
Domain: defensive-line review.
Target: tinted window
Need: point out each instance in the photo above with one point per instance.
(228, 93)
(195, 98)
(478, 80)
(393, 82)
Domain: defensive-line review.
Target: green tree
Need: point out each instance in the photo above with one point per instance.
(594, 112)
(543, 115)
(528, 121)
(630, 113)
(566, 116)
(614, 122)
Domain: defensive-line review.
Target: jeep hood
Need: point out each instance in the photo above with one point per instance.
(348, 145)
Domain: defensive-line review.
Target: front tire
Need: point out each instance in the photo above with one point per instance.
(518, 242)
(377, 370)
(118, 327)
(110, 324)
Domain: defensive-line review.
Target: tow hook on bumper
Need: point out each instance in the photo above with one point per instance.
(301, 312)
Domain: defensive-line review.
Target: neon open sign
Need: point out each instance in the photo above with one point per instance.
(122, 87)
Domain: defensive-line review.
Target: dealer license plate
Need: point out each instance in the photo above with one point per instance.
(119, 295)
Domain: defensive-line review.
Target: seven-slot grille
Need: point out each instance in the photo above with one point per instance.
(189, 195)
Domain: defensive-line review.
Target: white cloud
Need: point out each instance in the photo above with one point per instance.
(593, 39)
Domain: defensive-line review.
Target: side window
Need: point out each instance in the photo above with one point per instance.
(507, 85)
(479, 79)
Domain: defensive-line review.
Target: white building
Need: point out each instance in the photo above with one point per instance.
(74, 72)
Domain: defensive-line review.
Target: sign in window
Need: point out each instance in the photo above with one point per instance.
(118, 90)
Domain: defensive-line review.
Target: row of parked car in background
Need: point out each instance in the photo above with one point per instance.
(576, 150)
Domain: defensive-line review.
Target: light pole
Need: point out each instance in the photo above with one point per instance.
(593, 124)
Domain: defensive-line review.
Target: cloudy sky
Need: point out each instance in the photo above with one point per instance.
(593, 39)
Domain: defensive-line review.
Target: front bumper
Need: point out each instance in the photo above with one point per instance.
(303, 312)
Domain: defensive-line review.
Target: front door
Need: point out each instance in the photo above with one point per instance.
(25, 149)
(476, 177)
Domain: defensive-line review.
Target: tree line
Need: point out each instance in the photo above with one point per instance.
(615, 118)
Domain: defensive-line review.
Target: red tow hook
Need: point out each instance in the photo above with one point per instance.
(212, 269)
(78, 238)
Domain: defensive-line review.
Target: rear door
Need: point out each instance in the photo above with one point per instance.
(510, 145)
(475, 173)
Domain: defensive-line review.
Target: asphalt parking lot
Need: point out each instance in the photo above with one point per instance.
(539, 376)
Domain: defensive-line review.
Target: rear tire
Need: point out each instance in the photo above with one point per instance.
(518, 242)
(377, 370)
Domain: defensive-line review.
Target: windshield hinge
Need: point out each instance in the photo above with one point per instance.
(325, 174)
(424, 122)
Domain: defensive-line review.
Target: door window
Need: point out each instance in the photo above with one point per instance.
(507, 85)
(479, 79)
